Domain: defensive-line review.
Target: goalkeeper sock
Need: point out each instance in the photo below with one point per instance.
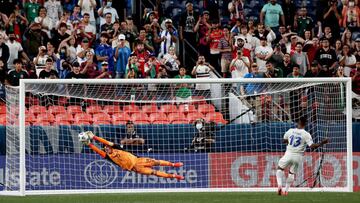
(165, 163)
(289, 181)
(279, 177)
(164, 175)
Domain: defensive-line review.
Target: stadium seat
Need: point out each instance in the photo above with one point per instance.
(194, 116)
(37, 109)
(159, 116)
(140, 116)
(29, 117)
(66, 117)
(30, 100)
(82, 117)
(56, 110)
(156, 122)
(215, 117)
(2, 109)
(180, 121)
(45, 117)
(74, 109)
(168, 108)
(198, 100)
(187, 108)
(206, 108)
(62, 122)
(42, 123)
(2, 119)
(94, 109)
(81, 122)
(176, 116)
(101, 118)
(120, 118)
(102, 122)
(150, 109)
(112, 109)
(141, 122)
(130, 109)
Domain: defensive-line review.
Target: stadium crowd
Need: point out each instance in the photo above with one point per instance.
(102, 39)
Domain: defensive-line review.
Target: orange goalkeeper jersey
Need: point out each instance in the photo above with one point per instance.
(123, 159)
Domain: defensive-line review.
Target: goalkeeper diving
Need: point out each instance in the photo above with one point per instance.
(127, 160)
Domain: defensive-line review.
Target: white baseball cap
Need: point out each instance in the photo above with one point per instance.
(122, 36)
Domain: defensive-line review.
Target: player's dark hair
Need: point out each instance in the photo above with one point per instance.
(302, 121)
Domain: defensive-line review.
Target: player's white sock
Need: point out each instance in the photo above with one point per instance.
(279, 177)
(289, 181)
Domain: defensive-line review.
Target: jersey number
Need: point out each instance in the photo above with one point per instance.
(295, 141)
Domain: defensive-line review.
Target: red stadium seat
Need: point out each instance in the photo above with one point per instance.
(176, 116)
(158, 117)
(82, 123)
(74, 109)
(180, 121)
(112, 109)
(206, 108)
(101, 117)
(194, 116)
(37, 109)
(215, 117)
(56, 110)
(120, 118)
(118, 122)
(45, 117)
(102, 122)
(82, 117)
(66, 117)
(94, 109)
(41, 123)
(30, 100)
(140, 116)
(155, 122)
(168, 108)
(141, 122)
(198, 100)
(150, 109)
(2, 109)
(2, 119)
(187, 108)
(130, 109)
(61, 122)
(31, 118)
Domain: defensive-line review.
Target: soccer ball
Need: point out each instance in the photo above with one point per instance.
(83, 137)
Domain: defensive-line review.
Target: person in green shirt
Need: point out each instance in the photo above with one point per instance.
(295, 73)
(31, 10)
(183, 92)
(272, 72)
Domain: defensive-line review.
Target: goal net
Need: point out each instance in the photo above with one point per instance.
(227, 132)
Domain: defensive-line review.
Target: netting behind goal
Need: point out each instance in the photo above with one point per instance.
(228, 135)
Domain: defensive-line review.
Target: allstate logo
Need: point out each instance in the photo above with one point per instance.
(100, 173)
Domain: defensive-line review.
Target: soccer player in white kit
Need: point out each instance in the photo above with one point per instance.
(296, 140)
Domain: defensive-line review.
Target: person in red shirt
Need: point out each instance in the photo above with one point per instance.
(239, 45)
(142, 56)
(213, 37)
(310, 48)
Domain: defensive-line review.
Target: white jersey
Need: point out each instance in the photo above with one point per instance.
(297, 140)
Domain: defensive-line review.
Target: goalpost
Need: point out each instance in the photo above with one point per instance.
(236, 147)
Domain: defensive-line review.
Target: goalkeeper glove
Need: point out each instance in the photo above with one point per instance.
(90, 134)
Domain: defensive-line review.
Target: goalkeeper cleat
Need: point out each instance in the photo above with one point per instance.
(178, 164)
(179, 177)
(279, 192)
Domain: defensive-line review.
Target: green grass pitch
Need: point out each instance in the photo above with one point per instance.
(219, 197)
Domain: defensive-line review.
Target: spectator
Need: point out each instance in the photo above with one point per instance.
(286, 66)
(15, 49)
(338, 47)
(168, 37)
(266, 32)
(4, 51)
(326, 57)
(104, 52)
(63, 68)
(213, 37)
(263, 53)
(250, 41)
(202, 70)
(89, 67)
(68, 48)
(183, 92)
(68, 5)
(236, 9)
(357, 49)
(347, 60)
(303, 22)
(270, 15)
(186, 31)
(76, 15)
(49, 71)
(295, 73)
(131, 136)
(17, 24)
(60, 35)
(44, 21)
(340, 72)
(132, 68)
(346, 38)
(239, 66)
(147, 44)
(277, 55)
(355, 78)
(202, 26)
(225, 49)
(31, 10)
(171, 62)
(253, 88)
(88, 6)
(108, 25)
(17, 73)
(86, 29)
(81, 50)
(142, 57)
(55, 11)
(311, 48)
(272, 72)
(122, 54)
(35, 38)
(152, 66)
(290, 47)
(235, 30)
(350, 16)
(75, 73)
(331, 17)
(300, 58)
(315, 71)
(105, 9)
(105, 71)
(240, 45)
(289, 8)
(3, 73)
(40, 59)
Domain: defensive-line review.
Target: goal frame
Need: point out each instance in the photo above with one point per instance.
(22, 171)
